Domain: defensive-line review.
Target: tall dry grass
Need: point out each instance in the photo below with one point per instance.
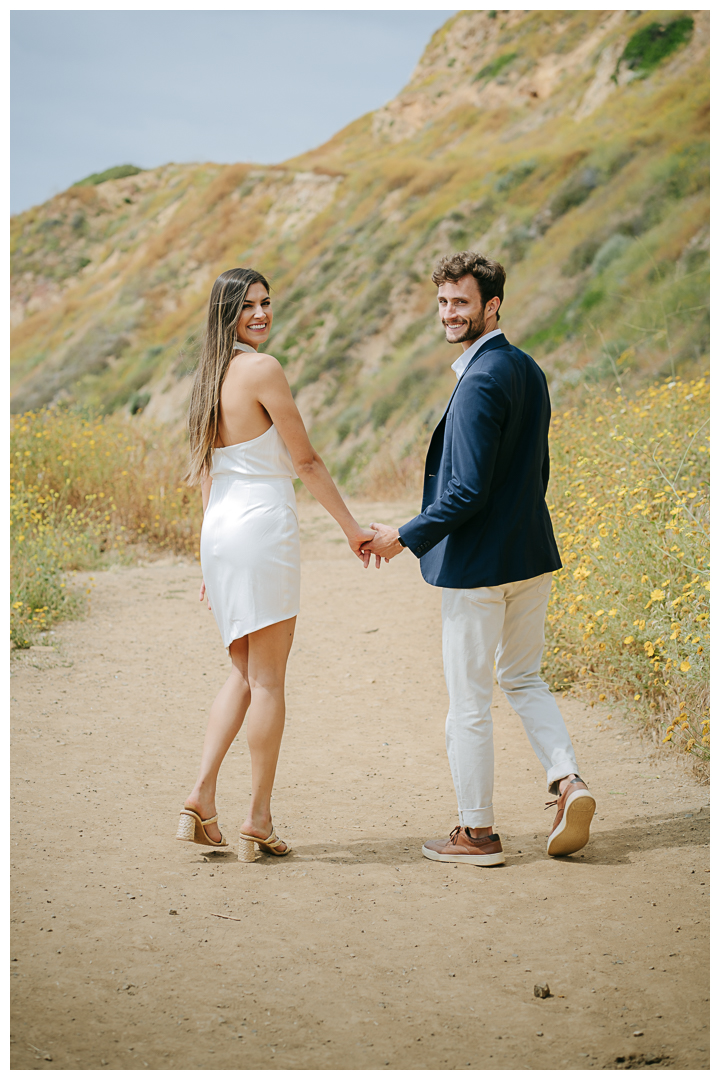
(84, 490)
(628, 618)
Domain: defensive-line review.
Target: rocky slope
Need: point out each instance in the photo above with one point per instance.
(572, 146)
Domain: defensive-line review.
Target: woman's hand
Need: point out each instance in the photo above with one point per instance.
(202, 594)
(358, 538)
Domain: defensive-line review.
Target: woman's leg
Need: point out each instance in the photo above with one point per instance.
(268, 651)
(226, 716)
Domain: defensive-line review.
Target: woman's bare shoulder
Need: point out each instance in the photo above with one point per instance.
(255, 365)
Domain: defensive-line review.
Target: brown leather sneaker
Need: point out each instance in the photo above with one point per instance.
(571, 828)
(461, 847)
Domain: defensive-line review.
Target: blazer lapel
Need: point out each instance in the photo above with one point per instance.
(487, 346)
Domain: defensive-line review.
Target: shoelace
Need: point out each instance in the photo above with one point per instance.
(454, 835)
(577, 780)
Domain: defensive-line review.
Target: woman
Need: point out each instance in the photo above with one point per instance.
(247, 441)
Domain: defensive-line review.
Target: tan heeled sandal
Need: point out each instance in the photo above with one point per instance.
(246, 846)
(192, 828)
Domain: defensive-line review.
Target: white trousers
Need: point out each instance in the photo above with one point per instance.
(504, 623)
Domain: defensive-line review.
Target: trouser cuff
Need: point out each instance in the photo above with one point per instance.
(477, 819)
(557, 773)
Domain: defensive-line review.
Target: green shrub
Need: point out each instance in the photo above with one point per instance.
(580, 257)
(615, 246)
(697, 260)
(493, 69)
(138, 402)
(517, 242)
(118, 172)
(515, 176)
(591, 299)
(686, 172)
(348, 420)
(649, 46)
(574, 192)
(547, 336)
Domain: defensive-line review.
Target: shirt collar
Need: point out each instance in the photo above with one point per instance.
(462, 361)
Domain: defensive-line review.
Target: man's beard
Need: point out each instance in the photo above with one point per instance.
(475, 330)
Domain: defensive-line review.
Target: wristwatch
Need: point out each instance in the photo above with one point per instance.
(401, 541)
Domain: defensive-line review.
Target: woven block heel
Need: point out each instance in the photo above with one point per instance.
(192, 828)
(246, 850)
(186, 828)
(269, 845)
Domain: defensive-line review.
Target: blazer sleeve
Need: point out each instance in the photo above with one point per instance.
(479, 412)
(546, 459)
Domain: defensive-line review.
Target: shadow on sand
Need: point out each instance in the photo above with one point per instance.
(607, 847)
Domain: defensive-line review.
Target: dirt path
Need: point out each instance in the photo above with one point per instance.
(355, 952)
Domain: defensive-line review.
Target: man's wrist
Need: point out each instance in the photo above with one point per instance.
(401, 541)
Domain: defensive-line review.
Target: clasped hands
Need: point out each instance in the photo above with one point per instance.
(380, 540)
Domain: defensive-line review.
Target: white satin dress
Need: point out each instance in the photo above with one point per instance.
(250, 540)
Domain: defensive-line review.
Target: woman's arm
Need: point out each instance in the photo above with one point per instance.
(273, 393)
(205, 489)
(205, 486)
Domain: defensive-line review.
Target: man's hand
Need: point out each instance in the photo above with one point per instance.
(386, 544)
(359, 541)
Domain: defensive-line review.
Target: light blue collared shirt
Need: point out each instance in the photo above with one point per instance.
(462, 361)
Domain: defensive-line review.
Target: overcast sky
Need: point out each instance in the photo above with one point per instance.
(92, 89)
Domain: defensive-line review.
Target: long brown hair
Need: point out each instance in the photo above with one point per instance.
(226, 301)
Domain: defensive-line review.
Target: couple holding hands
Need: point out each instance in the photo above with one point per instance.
(483, 536)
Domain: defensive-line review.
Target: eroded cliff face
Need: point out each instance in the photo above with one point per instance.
(536, 137)
(450, 73)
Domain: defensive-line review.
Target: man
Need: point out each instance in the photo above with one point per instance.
(485, 537)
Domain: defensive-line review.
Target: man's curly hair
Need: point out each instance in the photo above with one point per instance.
(490, 275)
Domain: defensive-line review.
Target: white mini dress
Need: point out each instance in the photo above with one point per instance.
(250, 540)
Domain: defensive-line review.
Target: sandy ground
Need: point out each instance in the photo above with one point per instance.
(355, 952)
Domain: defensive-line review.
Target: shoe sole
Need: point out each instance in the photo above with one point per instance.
(498, 859)
(573, 832)
(204, 843)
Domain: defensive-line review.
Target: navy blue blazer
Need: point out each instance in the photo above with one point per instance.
(484, 519)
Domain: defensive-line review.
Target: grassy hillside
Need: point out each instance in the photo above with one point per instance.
(571, 146)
